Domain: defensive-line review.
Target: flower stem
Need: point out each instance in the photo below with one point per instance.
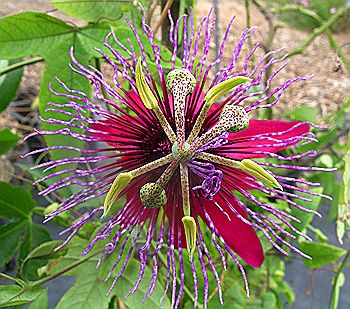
(151, 166)
(185, 190)
(170, 170)
(199, 122)
(248, 24)
(218, 159)
(165, 125)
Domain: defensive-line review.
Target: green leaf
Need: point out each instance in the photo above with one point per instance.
(42, 302)
(30, 34)
(9, 83)
(288, 292)
(93, 10)
(34, 236)
(319, 235)
(7, 139)
(343, 221)
(306, 217)
(34, 33)
(323, 138)
(305, 113)
(269, 300)
(15, 202)
(78, 297)
(234, 296)
(9, 240)
(320, 253)
(13, 295)
(38, 173)
(37, 259)
(45, 250)
(92, 280)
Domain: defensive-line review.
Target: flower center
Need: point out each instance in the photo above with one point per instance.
(176, 151)
(180, 83)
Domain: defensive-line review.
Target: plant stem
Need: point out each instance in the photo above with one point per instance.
(318, 31)
(104, 92)
(163, 15)
(20, 64)
(55, 275)
(265, 12)
(333, 293)
(306, 12)
(217, 34)
(18, 281)
(267, 113)
(249, 25)
(333, 43)
(64, 270)
(194, 9)
(182, 9)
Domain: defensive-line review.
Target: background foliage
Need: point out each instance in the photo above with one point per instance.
(30, 37)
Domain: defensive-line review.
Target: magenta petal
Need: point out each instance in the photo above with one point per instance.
(243, 145)
(239, 236)
(107, 126)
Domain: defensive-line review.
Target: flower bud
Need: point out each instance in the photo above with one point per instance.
(65, 216)
(191, 234)
(152, 195)
(234, 118)
(146, 94)
(224, 87)
(259, 173)
(119, 184)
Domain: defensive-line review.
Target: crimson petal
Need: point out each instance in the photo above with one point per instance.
(244, 145)
(239, 236)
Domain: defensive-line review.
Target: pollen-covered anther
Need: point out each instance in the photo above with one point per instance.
(146, 95)
(119, 184)
(259, 173)
(234, 118)
(223, 88)
(180, 82)
(152, 195)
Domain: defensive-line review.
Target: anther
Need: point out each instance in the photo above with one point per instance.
(149, 100)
